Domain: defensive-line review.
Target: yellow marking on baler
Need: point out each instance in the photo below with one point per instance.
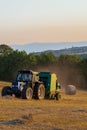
(53, 82)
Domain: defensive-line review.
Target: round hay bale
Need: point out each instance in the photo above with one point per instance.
(70, 90)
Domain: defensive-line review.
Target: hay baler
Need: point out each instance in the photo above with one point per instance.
(30, 84)
(52, 86)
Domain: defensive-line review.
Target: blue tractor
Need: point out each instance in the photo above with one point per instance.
(30, 84)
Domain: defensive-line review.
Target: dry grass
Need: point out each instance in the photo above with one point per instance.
(70, 113)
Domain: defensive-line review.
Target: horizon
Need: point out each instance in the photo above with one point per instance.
(40, 47)
(43, 21)
(46, 42)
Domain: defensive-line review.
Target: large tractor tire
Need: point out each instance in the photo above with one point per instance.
(6, 91)
(27, 93)
(40, 91)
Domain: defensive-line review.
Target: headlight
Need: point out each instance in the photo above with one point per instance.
(14, 86)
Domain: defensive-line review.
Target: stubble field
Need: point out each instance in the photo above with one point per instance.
(70, 113)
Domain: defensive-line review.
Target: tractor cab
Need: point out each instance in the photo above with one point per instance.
(24, 76)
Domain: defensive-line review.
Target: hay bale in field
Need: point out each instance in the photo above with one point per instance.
(70, 90)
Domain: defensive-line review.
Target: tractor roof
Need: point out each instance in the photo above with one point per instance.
(28, 71)
(24, 71)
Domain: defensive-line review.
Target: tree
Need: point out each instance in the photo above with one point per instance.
(5, 49)
(32, 59)
(69, 59)
(47, 58)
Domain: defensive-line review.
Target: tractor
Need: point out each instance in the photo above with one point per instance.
(30, 84)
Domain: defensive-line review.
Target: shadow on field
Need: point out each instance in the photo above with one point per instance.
(27, 120)
(24, 119)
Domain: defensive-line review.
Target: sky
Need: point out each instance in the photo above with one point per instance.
(28, 21)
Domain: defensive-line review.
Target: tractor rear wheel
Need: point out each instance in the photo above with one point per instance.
(6, 91)
(40, 91)
(27, 93)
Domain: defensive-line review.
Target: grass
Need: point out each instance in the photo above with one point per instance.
(70, 113)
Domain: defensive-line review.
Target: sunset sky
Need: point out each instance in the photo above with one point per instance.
(27, 21)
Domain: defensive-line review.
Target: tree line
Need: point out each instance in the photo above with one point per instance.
(70, 68)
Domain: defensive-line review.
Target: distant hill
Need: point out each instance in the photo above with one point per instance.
(81, 51)
(39, 47)
(79, 48)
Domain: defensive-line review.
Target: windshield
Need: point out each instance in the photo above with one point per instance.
(24, 76)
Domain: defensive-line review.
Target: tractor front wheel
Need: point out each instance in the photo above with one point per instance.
(6, 91)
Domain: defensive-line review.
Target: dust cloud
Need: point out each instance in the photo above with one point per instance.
(66, 75)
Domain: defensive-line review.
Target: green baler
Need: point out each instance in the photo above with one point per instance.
(52, 87)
